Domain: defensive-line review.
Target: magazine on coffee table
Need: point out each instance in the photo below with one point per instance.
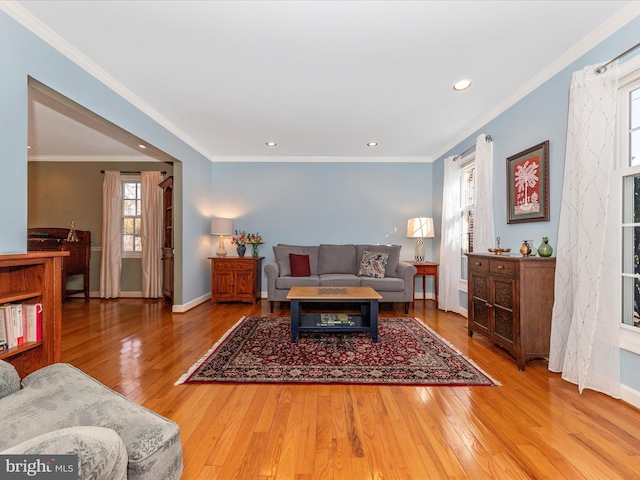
(333, 319)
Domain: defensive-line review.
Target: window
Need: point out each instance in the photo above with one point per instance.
(467, 208)
(629, 160)
(131, 217)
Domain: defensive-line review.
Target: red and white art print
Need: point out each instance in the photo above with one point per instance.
(528, 185)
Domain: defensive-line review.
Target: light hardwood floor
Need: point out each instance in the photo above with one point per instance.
(534, 426)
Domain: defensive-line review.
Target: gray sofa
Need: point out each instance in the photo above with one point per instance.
(61, 410)
(340, 265)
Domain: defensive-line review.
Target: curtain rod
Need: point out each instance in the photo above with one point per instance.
(471, 149)
(136, 173)
(603, 68)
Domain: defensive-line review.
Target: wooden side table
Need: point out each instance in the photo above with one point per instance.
(426, 269)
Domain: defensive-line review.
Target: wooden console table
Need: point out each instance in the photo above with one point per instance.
(426, 269)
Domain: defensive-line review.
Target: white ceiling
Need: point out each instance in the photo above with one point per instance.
(320, 78)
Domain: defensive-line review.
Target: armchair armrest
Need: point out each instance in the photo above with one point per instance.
(101, 452)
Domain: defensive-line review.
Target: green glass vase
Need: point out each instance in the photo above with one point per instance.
(545, 250)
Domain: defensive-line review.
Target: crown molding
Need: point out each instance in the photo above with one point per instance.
(310, 159)
(92, 158)
(613, 24)
(35, 26)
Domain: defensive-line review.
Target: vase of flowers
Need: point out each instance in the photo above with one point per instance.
(240, 240)
(255, 240)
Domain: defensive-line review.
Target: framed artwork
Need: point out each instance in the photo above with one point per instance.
(528, 185)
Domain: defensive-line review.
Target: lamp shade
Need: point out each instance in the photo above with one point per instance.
(420, 227)
(221, 226)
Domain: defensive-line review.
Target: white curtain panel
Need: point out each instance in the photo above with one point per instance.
(151, 234)
(586, 313)
(483, 229)
(450, 248)
(111, 258)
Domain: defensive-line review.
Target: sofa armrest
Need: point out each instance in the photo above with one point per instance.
(272, 270)
(101, 452)
(407, 272)
(9, 379)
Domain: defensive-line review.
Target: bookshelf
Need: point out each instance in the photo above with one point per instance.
(34, 277)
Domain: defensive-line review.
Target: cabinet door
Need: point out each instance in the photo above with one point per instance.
(167, 273)
(480, 305)
(223, 285)
(503, 328)
(243, 285)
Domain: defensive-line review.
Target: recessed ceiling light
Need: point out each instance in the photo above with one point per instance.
(462, 85)
(271, 144)
(142, 146)
(372, 144)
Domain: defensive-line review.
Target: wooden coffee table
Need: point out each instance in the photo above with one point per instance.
(365, 321)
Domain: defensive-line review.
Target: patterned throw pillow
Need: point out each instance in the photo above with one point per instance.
(373, 264)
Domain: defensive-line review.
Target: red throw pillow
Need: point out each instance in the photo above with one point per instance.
(299, 265)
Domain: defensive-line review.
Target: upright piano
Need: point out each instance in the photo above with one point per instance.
(77, 263)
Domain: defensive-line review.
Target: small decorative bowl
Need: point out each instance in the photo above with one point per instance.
(499, 251)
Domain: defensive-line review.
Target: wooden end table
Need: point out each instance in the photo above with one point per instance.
(426, 269)
(366, 321)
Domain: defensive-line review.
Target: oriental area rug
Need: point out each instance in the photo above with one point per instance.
(259, 350)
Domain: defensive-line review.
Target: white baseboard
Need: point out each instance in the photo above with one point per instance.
(630, 395)
(193, 303)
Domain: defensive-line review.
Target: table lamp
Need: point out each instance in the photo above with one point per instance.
(420, 228)
(222, 227)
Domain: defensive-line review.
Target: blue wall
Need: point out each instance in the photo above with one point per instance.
(542, 115)
(23, 54)
(306, 203)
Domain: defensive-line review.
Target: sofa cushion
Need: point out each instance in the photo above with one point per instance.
(299, 265)
(373, 264)
(285, 283)
(391, 269)
(337, 259)
(9, 379)
(61, 396)
(386, 284)
(339, 280)
(281, 252)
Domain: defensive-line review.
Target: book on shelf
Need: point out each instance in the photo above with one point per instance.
(21, 323)
(3, 331)
(334, 319)
(33, 318)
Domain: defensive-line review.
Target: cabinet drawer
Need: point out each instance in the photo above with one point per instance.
(503, 267)
(227, 265)
(478, 265)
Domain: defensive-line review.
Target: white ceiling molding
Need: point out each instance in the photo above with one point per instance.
(38, 28)
(265, 159)
(92, 158)
(616, 22)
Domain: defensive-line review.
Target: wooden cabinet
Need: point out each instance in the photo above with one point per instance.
(167, 238)
(510, 302)
(236, 279)
(34, 277)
